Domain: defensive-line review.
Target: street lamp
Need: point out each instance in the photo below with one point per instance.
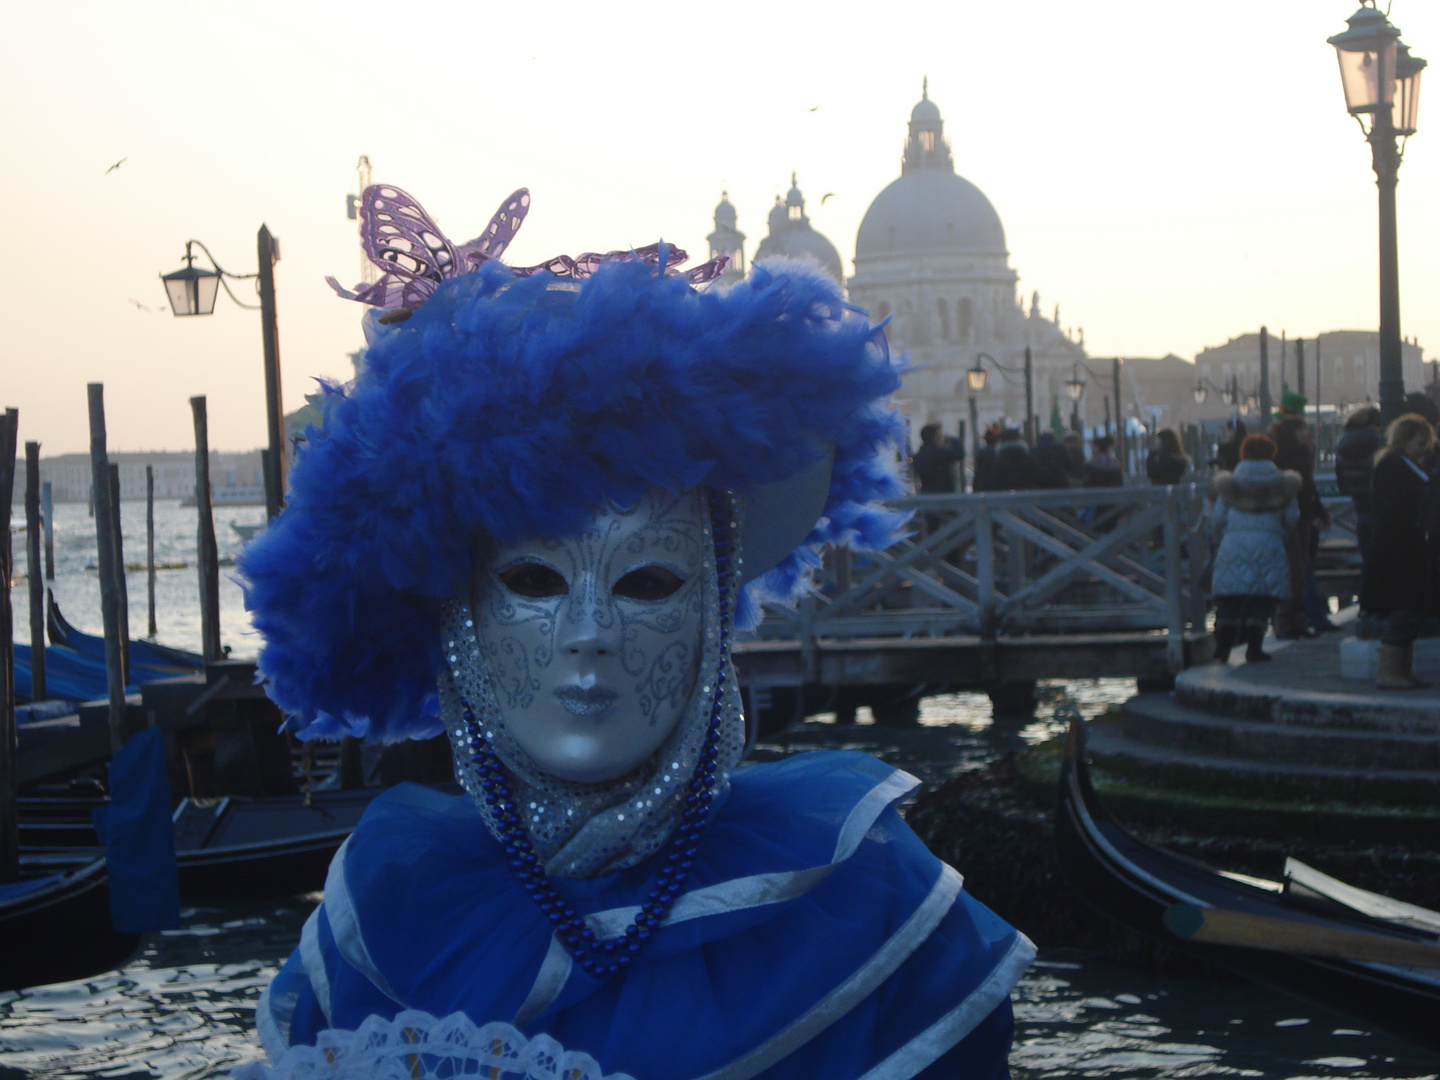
(192, 290)
(978, 379)
(1381, 82)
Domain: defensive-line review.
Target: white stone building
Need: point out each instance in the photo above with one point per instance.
(931, 254)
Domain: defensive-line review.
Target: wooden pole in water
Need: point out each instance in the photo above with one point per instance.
(122, 586)
(47, 505)
(207, 556)
(9, 821)
(268, 251)
(105, 557)
(32, 568)
(150, 544)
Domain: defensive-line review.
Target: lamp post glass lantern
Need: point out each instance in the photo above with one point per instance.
(191, 289)
(977, 378)
(1366, 51)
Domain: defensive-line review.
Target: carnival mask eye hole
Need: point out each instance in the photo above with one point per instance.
(534, 580)
(648, 583)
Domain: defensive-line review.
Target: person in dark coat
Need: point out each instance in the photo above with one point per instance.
(1166, 463)
(1296, 453)
(933, 465)
(1103, 469)
(1052, 463)
(1075, 458)
(1227, 454)
(1398, 583)
(1354, 466)
(984, 465)
(1014, 469)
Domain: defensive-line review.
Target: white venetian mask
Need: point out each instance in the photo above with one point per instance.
(592, 643)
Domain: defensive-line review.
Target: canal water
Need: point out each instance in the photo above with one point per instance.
(183, 1008)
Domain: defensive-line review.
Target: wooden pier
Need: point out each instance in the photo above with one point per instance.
(999, 590)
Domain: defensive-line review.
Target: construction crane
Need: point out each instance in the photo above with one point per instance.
(365, 177)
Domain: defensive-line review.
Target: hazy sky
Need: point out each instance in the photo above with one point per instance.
(1172, 174)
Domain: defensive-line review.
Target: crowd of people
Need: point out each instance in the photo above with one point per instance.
(1267, 517)
(1006, 463)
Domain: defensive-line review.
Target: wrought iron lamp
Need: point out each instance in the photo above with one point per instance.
(1381, 82)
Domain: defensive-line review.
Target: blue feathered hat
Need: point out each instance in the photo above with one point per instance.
(508, 407)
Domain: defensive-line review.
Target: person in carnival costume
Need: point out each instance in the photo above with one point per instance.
(536, 521)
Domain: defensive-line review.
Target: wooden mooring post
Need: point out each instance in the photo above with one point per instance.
(32, 572)
(47, 506)
(150, 546)
(105, 557)
(122, 584)
(9, 821)
(207, 557)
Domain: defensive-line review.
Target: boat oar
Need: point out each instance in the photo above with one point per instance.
(1220, 926)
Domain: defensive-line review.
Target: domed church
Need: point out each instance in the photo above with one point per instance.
(791, 236)
(931, 254)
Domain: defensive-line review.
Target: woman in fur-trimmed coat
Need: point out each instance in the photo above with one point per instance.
(1255, 509)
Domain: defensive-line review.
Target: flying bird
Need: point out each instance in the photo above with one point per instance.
(813, 108)
(827, 195)
(141, 306)
(117, 164)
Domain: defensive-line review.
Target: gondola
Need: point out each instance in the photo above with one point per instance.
(1295, 930)
(55, 923)
(267, 847)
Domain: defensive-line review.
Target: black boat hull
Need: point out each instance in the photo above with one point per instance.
(1128, 881)
(61, 932)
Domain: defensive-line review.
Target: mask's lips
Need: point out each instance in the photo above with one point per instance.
(585, 700)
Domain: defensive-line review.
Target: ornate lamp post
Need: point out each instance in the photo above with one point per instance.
(1074, 390)
(192, 291)
(977, 377)
(1381, 81)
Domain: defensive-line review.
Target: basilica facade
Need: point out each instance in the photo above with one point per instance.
(930, 256)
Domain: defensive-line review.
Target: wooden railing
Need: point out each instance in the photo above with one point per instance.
(1034, 562)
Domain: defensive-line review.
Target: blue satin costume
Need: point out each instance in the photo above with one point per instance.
(817, 938)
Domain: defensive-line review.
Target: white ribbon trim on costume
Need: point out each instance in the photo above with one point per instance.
(314, 962)
(925, 1049)
(554, 973)
(345, 926)
(272, 1040)
(726, 896)
(861, 984)
(738, 894)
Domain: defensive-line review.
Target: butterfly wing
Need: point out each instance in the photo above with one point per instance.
(401, 238)
(491, 243)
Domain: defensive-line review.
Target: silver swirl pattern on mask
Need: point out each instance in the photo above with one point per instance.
(581, 829)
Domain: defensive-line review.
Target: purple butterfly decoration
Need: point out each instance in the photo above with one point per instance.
(415, 256)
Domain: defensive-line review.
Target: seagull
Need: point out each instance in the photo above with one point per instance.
(827, 195)
(141, 306)
(117, 164)
(813, 108)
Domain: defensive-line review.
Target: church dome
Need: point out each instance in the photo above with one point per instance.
(793, 237)
(725, 212)
(929, 208)
(925, 111)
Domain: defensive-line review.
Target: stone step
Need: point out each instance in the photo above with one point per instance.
(1185, 772)
(1163, 720)
(1217, 689)
(1220, 796)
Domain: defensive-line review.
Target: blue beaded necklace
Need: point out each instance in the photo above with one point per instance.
(605, 958)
